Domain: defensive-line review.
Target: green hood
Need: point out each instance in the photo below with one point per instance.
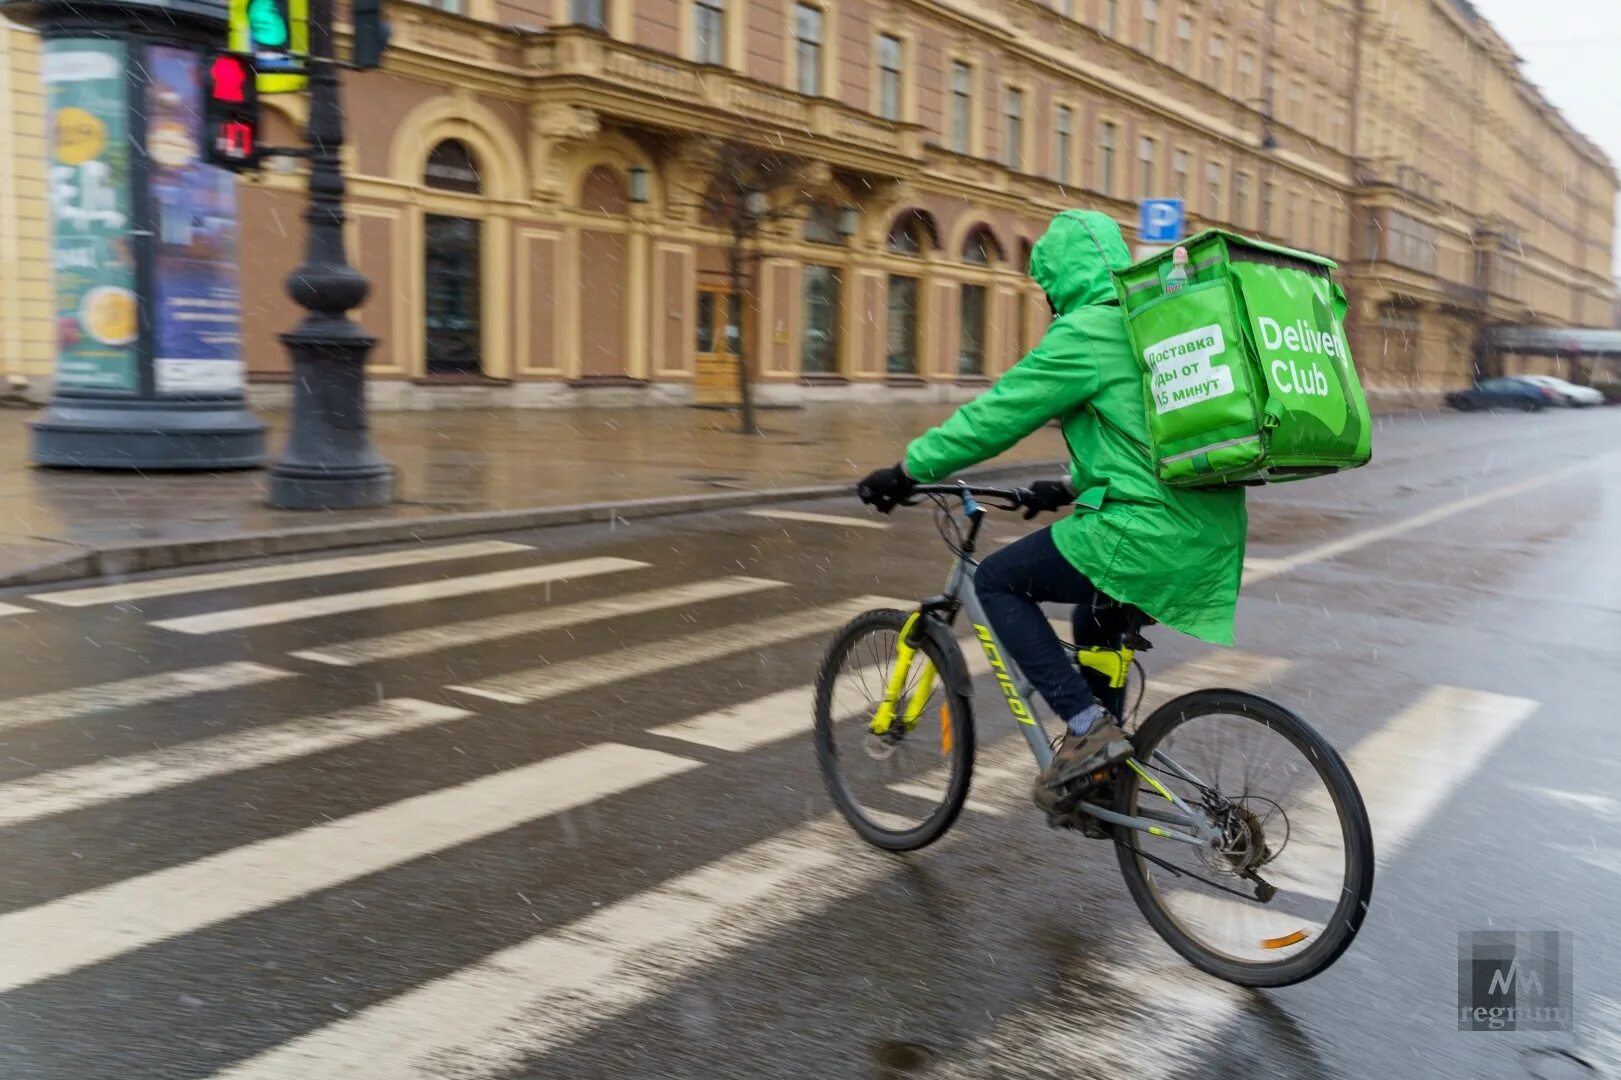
(1072, 260)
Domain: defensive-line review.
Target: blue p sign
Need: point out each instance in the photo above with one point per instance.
(1161, 222)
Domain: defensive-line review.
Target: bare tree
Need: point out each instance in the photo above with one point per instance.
(746, 187)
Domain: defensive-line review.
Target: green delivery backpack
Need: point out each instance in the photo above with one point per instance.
(1246, 371)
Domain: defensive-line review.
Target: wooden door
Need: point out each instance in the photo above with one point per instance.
(718, 329)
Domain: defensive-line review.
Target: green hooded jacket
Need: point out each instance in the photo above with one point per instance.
(1175, 553)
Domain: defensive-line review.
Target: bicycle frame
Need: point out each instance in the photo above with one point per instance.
(960, 595)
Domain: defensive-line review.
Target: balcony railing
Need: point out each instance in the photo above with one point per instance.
(661, 90)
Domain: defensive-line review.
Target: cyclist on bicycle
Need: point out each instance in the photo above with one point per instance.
(1173, 553)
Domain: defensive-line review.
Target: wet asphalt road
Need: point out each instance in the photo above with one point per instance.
(222, 852)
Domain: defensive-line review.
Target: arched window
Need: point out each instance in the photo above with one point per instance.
(980, 247)
(452, 167)
(912, 234)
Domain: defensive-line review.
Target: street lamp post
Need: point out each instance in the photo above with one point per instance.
(329, 462)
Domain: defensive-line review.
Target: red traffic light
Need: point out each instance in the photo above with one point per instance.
(232, 113)
(228, 79)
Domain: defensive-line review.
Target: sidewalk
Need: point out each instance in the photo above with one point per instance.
(458, 472)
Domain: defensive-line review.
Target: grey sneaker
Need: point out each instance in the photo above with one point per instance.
(1081, 764)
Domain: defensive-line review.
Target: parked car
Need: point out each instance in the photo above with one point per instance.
(1568, 393)
(1502, 394)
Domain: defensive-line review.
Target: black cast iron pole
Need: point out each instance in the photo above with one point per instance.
(329, 463)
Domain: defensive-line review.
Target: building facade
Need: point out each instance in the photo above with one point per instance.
(529, 179)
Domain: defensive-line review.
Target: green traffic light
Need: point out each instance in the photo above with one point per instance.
(267, 26)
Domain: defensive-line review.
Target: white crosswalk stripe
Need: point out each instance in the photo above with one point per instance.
(548, 681)
(340, 603)
(274, 572)
(13, 609)
(813, 518)
(122, 778)
(555, 987)
(430, 639)
(90, 927)
(128, 693)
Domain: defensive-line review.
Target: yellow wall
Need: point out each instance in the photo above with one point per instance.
(25, 286)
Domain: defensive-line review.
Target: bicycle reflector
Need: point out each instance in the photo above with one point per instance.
(232, 113)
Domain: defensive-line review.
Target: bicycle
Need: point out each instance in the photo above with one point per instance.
(1196, 854)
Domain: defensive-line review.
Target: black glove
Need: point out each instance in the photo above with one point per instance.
(884, 489)
(1045, 496)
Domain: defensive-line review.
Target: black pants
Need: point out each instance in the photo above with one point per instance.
(1013, 584)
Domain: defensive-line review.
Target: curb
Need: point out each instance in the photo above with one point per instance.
(121, 560)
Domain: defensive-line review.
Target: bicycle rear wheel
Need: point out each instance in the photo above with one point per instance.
(900, 789)
(1289, 814)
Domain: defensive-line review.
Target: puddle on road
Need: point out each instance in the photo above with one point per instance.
(901, 1060)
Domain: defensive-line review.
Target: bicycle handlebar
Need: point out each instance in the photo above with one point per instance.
(1006, 498)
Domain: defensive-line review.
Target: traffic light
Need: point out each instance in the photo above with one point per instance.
(232, 114)
(371, 34)
(276, 34)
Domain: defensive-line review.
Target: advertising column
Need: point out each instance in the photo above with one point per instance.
(149, 370)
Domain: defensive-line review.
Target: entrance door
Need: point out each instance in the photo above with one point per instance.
(719, 335)
(452, 295)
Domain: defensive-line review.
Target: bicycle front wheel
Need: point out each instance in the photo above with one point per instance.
(901, 780)
(1281, 895)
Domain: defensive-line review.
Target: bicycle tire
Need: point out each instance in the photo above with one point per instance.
(1341, 928)
(941, 650)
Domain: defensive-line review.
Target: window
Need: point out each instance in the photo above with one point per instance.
(900, 354)
(909, 235)
(1147, 182)
(592, 13)
(1246, 77)
(1312, 213)
(1241, 197)
(1297, 93)
(1111, 17)
(1064, 147)
(822, 224)
(1289, 216)
(971, 330)
(962, 105)
(889, 77)
(1184, 44)
(808, 49)
(1179, 175)
(1337, 133)
(709, 32)
(1218, 62)
(1212, 191)
(1106, 135)
(1013, 130)
(1150, 26)
(819, 344)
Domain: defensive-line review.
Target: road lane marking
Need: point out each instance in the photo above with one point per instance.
(90, 927)
(1333, 548)
(262, 575)
(127, 693)
(553, 680)
(340, 603)
(818, 519)
(1405, 771)
(13, 609)
(141, 774)
(473, 631)
(554, 988)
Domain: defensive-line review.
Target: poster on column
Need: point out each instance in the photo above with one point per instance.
(92, 256)
(196, 303)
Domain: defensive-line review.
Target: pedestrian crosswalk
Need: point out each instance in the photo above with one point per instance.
(540, 990)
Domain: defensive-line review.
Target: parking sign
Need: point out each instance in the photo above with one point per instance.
(1161, 221)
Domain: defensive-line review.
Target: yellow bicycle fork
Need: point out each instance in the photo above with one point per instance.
(905, 654)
